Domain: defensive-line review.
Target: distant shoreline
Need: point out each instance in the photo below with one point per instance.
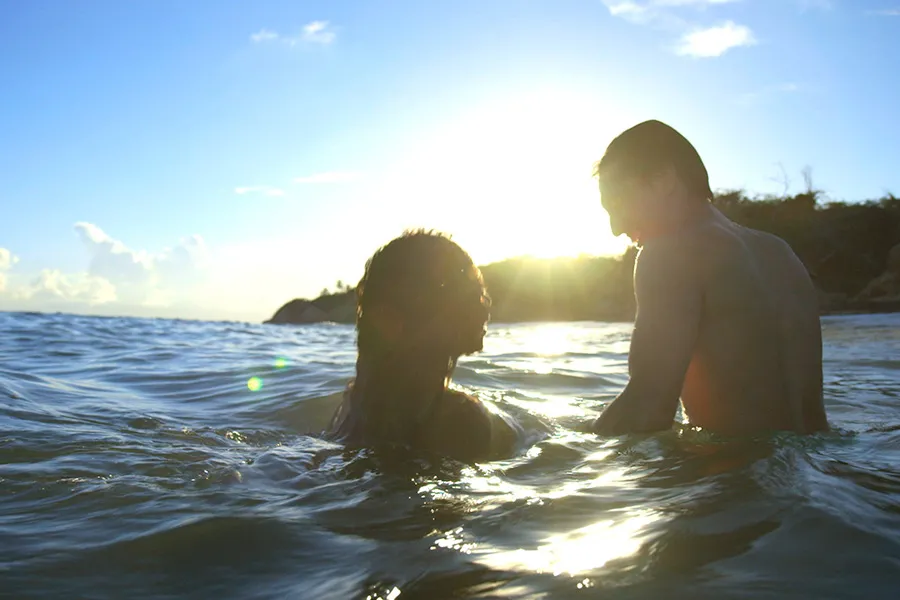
(893, 308)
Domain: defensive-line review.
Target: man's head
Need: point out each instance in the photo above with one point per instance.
(421, 294)
(648, 176)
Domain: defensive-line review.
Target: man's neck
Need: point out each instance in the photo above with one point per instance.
(692, 213)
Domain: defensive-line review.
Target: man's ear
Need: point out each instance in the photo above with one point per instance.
(388, 322)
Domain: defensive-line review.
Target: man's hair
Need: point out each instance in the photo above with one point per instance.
(649, 147)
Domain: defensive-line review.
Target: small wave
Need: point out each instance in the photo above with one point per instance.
(135, 461)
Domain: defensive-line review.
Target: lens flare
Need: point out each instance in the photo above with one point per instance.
(280, 363)
(254, 384)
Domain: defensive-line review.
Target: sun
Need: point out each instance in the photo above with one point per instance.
(511, 178)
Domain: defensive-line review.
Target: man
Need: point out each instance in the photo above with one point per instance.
(421, 304)
(727, 317)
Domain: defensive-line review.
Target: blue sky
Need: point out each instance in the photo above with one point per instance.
(214, 159)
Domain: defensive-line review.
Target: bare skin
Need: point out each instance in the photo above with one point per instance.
(727, 323)
(460, 426)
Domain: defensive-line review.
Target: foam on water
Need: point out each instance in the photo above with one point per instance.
(135, 461)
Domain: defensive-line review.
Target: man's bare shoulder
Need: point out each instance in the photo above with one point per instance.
(722, 246)
(674, 260)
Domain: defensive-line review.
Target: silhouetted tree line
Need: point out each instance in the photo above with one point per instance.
(843, 245)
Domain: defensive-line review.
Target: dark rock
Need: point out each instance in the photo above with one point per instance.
(299, 311)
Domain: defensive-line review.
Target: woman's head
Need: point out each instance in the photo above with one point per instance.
(421, 293)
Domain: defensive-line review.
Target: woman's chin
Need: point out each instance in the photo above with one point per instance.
(470, 345)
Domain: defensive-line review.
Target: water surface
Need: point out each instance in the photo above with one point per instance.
(136, 462)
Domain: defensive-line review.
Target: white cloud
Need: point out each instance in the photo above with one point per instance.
(644, 11)
(53, 285)
(318, 32)
(111, 259)
(329, 177)
(264, 35)
(628, 10)
(715, 41)
(697, 3)
(314, 32)
(142, 278)
(669, 15)
(7, 259)
(185, 280)
(887, 12)
(259, 189)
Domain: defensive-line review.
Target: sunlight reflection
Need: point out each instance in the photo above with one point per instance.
(393, 594)
(552, 407)
(580, 551)
(618, 535)
(548, 340)
(452, 540)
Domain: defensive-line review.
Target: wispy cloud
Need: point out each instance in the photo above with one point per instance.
(886, 12)
(645, 11)
(816, 4)
(7, 259)
(314, 32)
(264, 35)
(697, 3)
(755, 97)
(266, 190)
(318, 32)
(329, 177)
(675, 16)
(715, 41)
(115, 275)
(642, 13)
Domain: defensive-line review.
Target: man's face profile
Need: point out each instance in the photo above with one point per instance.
(621, 198)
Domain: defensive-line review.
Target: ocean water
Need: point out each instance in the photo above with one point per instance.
(137, 462)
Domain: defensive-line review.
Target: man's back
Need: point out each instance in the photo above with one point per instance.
(757, 362)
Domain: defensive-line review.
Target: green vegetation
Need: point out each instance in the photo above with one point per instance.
(845, 247)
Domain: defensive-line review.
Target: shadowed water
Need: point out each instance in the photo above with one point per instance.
(135, 462)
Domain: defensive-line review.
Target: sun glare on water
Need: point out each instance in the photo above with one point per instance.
(578, 553)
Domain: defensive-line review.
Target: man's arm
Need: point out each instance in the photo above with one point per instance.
(669, 295)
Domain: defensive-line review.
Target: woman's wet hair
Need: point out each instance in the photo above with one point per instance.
(422, 276)
(649, 147)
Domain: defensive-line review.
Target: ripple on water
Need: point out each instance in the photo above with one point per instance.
(135, 461)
